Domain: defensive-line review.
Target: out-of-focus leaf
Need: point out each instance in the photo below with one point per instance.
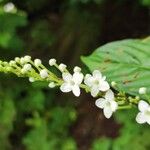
(102, 144)
(37, 138)
(9, 22)
(69, 144)
(7, 116)
(145, 2)
(125, 62)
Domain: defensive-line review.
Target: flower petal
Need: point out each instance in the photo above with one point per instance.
(77, 77)
(104, 78)
(104, 86)
(100, 103)
(76, 90)
(107, 112)
(65, 87)
(109, 95)
(94, 91)
(142, 105)
(148, 120)
(66, 76)
(140, 118)
(88, 80)
(113, 105)
(97, 74)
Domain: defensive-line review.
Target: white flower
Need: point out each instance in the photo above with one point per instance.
(72, 82)
(144, 115)
(43, 73)
(96, 83)
(142, 90)
(37, 62)
(31, 79)
(52, 62)
(108, 104)
(77, 69)
(62, 67)
(51, 85)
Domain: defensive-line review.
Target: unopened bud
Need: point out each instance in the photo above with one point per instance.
(142, 90)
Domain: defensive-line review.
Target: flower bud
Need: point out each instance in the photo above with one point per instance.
(8, 68)
(11, 63)
(31, 79)
(52, 62)
(43, 73)
(27, 58)
(77, 69)
(27, 67)
(113, 83)
(5, 63)
(17, 59)
(51, 85)
(37, 62)
(62, 67)
(22, 60)
(142, 90)
(23, 71)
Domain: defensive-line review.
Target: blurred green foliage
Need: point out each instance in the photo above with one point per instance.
(132, 136)
(9, 22)
(145, 2)
(44, 125)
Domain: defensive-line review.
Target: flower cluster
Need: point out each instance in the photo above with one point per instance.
(95, 84)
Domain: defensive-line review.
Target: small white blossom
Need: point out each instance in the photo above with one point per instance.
(72, 82)
(43, 73)
(52, 62)
(77, 69)
(37, 62)
(144, 115)
(51, 85)
(27, 58)
(31, 79)
(142, 90)
(96, 82)
(108, 104)
(62, 67)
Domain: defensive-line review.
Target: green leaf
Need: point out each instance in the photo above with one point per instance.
(125, 62)
(9, 25)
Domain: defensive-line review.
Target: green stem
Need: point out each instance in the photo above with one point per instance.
(124, 107)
